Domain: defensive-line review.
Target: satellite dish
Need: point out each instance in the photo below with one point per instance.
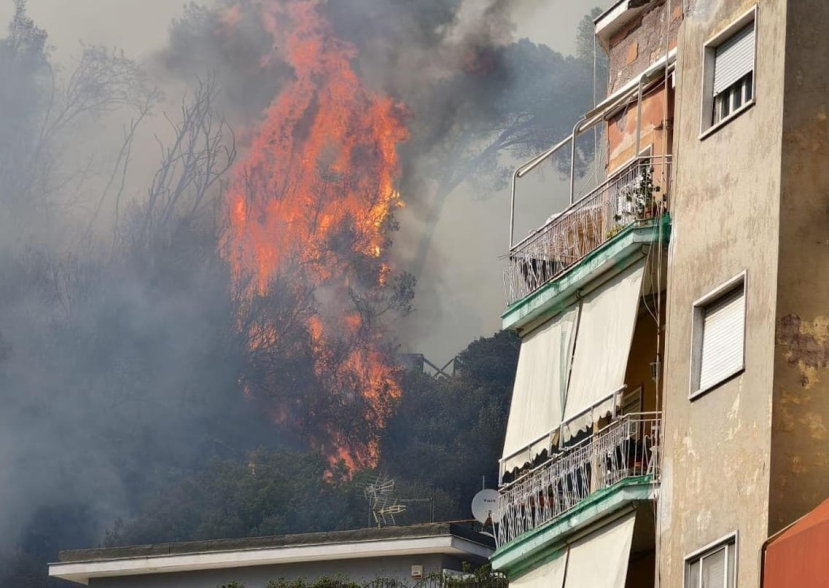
(485, 506)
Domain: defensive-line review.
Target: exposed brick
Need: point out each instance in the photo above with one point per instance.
(632, 53)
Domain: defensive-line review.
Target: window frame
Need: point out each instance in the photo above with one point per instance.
(731, 540)
(707, 124)
(697, 319)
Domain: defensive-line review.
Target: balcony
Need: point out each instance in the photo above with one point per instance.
(625, 450)
(630, 197)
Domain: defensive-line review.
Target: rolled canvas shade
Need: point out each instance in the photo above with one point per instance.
(600, 560)
(605, 333)
(548, 575)
(540, 381)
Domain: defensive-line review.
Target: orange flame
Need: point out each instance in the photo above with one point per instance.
(313, 195)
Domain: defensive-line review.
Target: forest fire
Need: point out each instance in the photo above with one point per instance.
(310, 207)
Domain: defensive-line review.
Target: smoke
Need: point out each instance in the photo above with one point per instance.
(122, 360)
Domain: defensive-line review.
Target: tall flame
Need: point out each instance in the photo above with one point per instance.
(311, 203)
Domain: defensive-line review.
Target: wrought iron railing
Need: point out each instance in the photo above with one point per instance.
(627, 448)
(628, 197)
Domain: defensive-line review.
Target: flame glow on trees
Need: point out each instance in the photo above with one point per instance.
(310, 205)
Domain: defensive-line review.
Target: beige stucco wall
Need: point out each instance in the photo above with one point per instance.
(800, 455)
(724, 208)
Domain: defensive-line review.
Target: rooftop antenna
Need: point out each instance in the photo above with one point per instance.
(381, 506)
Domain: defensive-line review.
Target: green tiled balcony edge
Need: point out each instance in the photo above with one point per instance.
(555, 295)
(542, 543)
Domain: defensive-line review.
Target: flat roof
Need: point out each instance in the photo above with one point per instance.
(433, 538)
(357, 535)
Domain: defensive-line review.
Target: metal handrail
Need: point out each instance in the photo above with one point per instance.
(626, 198)
(550, 435)
(628, 447)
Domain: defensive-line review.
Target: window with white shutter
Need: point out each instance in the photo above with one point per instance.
(714, 566)
(719, 336)
(729, 72)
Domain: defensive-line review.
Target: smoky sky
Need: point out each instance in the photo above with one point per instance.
(119, 365)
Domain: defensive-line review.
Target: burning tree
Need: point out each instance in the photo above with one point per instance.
(310, 211)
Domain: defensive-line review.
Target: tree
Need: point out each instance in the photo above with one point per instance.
(449, 432)
(515, 100)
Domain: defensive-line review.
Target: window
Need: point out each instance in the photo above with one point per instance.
(632, 403)
(729, 72)
(719, 336)
(713, 567)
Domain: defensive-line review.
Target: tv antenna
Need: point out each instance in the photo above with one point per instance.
(381, 505)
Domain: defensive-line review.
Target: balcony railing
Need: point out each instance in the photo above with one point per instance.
(628, 197)
(627, 448)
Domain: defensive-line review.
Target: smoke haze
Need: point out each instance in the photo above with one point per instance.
(122, 360)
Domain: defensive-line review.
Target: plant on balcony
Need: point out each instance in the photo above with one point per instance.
(638, 197)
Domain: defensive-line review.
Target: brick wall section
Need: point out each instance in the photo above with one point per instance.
(641, 42)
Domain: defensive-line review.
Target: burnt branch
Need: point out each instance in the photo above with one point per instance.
(203, 149)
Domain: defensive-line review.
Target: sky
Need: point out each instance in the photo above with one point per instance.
(463, 270)
(139, 26)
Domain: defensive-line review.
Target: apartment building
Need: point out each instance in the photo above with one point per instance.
(670, 407)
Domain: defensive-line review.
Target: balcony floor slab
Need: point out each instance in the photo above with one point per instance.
(539, 544)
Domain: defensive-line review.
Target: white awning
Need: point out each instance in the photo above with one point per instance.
(600, 560)
(549, 575)
(605, 333)
(540, 382)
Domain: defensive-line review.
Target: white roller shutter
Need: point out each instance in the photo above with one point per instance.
(713, 570)
(723, 334)
(734, 59)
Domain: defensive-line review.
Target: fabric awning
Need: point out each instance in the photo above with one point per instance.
(548, 575)
(600, 560)
(605, 333)
(797, 556)
(540, 382)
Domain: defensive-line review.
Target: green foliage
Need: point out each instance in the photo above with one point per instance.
(324, 582)
(482, 577)
(637, 198)
(447, 433)
(271, 493)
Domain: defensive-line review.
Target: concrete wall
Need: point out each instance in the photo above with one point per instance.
(358, 570)
(800, 453)
(716, 468)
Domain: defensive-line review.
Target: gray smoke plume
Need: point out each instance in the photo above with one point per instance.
(120, 353)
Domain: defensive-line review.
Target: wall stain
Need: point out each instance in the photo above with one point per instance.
(814, 422)
(804, 346)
